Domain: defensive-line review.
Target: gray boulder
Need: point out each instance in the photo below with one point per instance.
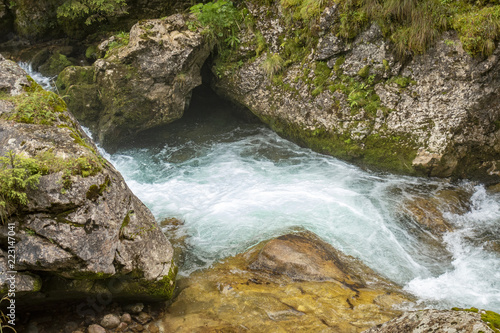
(79, 229)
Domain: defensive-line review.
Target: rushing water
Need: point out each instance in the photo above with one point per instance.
(234, 184)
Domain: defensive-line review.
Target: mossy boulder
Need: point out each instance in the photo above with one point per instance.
(79, 229)
(144, 81)
(54, 64)
(36, 19)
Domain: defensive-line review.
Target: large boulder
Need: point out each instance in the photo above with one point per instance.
(435, 114)
(293, 283)
(74, 225)
(144, 81)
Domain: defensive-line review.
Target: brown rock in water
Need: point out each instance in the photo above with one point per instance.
(300, 258)
(428, 211)
(434, 321)
(294, 283)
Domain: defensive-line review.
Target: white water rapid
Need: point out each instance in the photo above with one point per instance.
(234, 184)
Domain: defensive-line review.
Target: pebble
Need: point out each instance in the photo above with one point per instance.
(134, 308)
(126, 318)
(122, 327)
(110, 321)
(96, 329)
(152, 328)
(143, 318)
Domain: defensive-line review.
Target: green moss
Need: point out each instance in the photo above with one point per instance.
(92, 52)
(79, 275)
(36, 106)
(162, 289)
(96, 191)
(364, 72)
(55, 64)
(401, 81)
(489, 317)
(321, 74)
(394, 154)
(492, 319)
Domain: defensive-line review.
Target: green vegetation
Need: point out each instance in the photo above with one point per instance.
(273, 64)
(17, 174)
(121, 39)
(414, 25)
(37, 106)
(489, 317)
(90, 11)
(479, 29)
(220, 20)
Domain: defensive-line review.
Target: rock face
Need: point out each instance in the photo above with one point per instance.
(435, 114)
(434, 321)
(6, 20)
(138, 86)
(79, 229)
(294, 283)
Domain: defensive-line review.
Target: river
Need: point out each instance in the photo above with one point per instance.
(235, 183)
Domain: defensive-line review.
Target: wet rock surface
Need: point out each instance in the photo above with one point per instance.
(81, 231)
(434, 321)
(295, 282)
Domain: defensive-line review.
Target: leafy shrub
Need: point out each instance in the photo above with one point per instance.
(220, 19)
(90, 10)
(17, 174)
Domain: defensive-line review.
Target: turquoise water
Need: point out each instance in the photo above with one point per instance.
(234, 184)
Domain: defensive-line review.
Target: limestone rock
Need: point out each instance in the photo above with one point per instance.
(434, 321)
(260, 290)
(81, 228)
(138, 86)
(435, 114)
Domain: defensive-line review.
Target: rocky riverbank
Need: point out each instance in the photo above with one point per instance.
(78, 230)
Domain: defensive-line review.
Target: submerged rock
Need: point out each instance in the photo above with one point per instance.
(434, 321)
(145, 80)
(76, 227)
(295, 282)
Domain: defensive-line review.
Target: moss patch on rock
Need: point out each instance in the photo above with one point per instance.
(380, 152)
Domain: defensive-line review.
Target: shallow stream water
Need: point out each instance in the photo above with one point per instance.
(235, 183)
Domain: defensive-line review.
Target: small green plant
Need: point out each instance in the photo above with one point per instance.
(17, 174)
(90, 11)
(121, 39)
(273, 64)
(37, 106)
(220, 20)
